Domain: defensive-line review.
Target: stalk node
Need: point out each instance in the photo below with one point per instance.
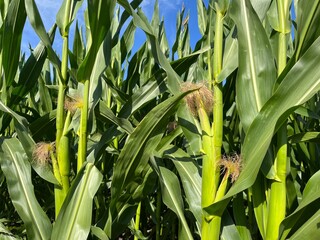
(209, 218)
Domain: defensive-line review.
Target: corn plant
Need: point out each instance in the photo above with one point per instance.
(104, 139)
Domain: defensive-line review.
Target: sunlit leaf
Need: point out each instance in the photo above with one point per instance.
(171, 195)
(74, 219)
(257, 72)
(298, 86)
(17, 169)
(191, 180)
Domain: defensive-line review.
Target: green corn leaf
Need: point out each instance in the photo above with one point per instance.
(191, 129)
(127, 41)
(126, 206)
(5, 234)
(129, 163)
(123, 19)
(21, 127)
(273, 17)
(184, 48)
(28, 144)
(240, 218)
(222, 5)
(97, 149)
(45, 97)
(229, 229)
(173, 133)
(202, 17)
(135, 75)
(37, 24)
(164, 45)
(298, 86)
(257, 72)
(17, 170)
(309, 229)
(63, 23)
(108, 114)
(141, 97)
(181, 65)
(191, 180)
(261, 7)
(303, 111)
(172, 197)
(3, 9)
(310, 195)
(74, 219)
(156, 85)
(100, 23)
(11, 40)
(116, 92)
(178, 33)
(260, 203)
(99, 233)
(141, 22)
(30, 72)
(21, 120)
(155, 21)
(102, 60)
(308, 16)
(305, 137)
(42, 124)
(132, 162)
(230, 57)
(78, 45)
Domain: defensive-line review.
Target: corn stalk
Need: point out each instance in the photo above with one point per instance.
(62, 141)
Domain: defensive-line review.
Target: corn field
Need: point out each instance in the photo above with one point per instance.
(105, 139)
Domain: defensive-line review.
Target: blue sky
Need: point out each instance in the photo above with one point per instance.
(168, 9)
